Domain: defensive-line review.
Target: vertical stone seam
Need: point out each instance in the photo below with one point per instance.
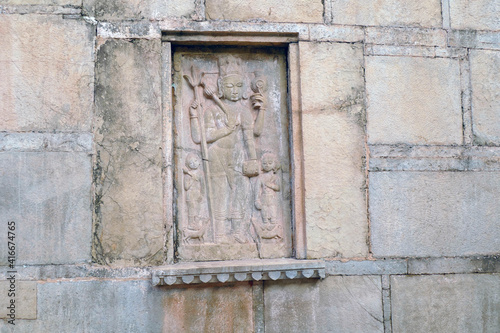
(94, 148)
(166, 104)
(445, 14)
(200, 10)
(367, 152)
(386, 298)
(258, 309)
(327, 11)
(97, 253)
(466, 100)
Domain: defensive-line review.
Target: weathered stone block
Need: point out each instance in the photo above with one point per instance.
(432, 214)
(24, 295)
(331, 75)
(139, 9)
(127, 171)
(485, 78)
(333, 120)
(335, 185)
(448, 303)
(336, 304)
(47, 76)
(477, 15)
(136, 306)
(218, 309)
(425, 13)
(47, 195)
(308, 11)
(413, 100)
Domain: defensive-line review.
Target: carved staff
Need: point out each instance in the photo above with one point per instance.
(195, 81)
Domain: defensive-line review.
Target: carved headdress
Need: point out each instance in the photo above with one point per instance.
(230, 65)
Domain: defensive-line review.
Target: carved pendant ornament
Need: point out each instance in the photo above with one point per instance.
(232, 155)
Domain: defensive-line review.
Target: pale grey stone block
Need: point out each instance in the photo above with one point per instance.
(48, 196)
(138, 9)
(432, 214)
(336, 304)
(308, 11)
(403, 94)
(24, 295)
(485, 79)
(446, 303)
(366, 267)
(425, 13)
(47, 76)
(475, 15)
(488, 264)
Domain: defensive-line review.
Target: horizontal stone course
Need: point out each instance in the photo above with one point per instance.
(433, 158)
(366, 267)
(474, 39)
(26, 142)
(405, 36)
(136, 306)
(488, 264)
(434, 214)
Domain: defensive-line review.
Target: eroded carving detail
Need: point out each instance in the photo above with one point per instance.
(231, 177)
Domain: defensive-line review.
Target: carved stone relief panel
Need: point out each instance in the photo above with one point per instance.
(231, 153)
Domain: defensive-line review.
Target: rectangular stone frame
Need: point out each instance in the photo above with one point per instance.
(288, 40)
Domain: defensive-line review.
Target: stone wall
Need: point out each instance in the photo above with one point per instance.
(400, 120)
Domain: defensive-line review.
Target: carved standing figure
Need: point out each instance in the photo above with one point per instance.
(230, 129)
(267, 188)
(193, 186)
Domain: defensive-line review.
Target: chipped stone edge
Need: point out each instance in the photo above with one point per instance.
(434, 158)
(238, 271)
(45, 142)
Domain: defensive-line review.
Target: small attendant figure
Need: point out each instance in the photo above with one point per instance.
(193, 179)
(267, 188)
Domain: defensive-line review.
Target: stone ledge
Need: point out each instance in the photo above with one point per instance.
(237, 271)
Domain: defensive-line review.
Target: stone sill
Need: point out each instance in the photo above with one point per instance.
(238, 270)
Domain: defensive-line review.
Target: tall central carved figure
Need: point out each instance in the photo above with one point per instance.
(229, 129)
(231, 154)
